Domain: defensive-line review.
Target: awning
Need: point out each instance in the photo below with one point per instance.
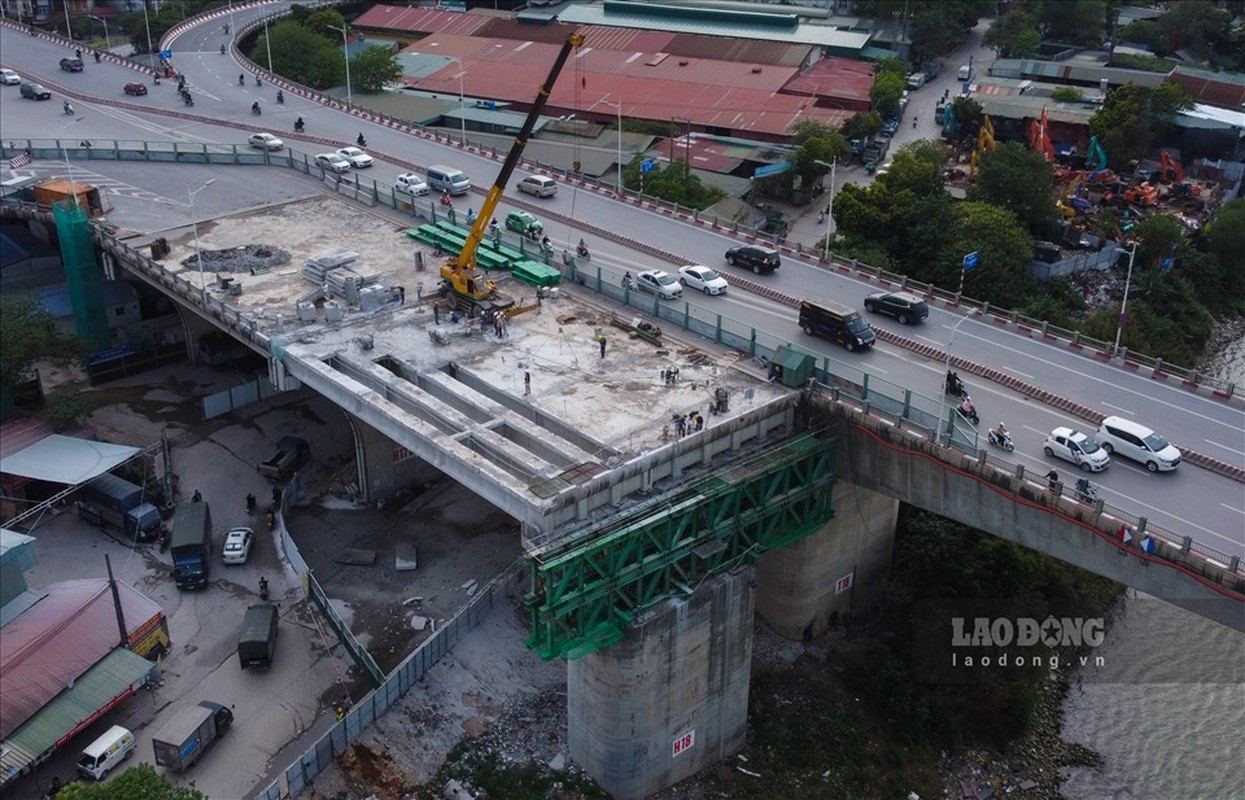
(64, 459)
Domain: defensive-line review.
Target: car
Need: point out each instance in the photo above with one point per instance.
(660, 283)
(1078, 448)
(903, 306)
(9, 78)
(694, 276)
(524, 223)
(265, 141)
(357, 158)
(72, 64)
(754, 257)
(411, 183)
(1141, 444)
(238, 546)
(332, 162)
(889, 128)
(538, 186)
(35, 91)
(136, 88)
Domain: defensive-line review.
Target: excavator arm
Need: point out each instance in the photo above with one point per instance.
(467, 258)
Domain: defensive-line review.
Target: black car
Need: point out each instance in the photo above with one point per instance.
(72, 64)
(902, 306)
(754, 257)
(35, 92)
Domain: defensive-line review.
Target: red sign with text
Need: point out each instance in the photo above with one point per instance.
(684, 743)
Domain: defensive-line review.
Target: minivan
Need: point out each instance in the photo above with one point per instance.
(965, 72)
(836, 323)
(106, 752)
(539, 185)
(1127, 438)
(447, 179)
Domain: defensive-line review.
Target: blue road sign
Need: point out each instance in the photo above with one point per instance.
(970, 260)
(166, 54)
(647, 165)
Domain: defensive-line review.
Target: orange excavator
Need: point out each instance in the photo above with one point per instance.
(1170, 170)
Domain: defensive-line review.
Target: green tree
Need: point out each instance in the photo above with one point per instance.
(862, 126)
(302, 56)
(887, 89)
(136, 783)
(1018, 179)
(1158, 237)
(1067, 94)
(893, 66)
(938, 28)
(30, 334)
(1133, 119)
(1013, 35)
(1004, 250)
(1226, 240)
(1073, 21)
(674, 182)
(1194, 24)
(917, 168)
(373, 69)
(326, 22)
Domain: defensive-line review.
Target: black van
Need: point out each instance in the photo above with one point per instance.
(836, 323)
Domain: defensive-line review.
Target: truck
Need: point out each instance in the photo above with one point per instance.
(875, 151)
(112, 500)
(191, 545)
(258, 640)
(292, 453)
(186, 737)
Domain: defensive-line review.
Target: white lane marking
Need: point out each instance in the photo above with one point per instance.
(1225, 447)
(1120, 409)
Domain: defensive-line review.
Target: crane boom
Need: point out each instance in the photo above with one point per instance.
(467, 257)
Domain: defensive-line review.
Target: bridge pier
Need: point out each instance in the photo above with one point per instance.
(801, 586)
(384, 466)
(671, 697)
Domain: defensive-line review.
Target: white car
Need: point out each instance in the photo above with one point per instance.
(265, 141)
(357, 158)
(1078, 448)
(411, 183)
(1132, 440)
(9, 78)
(694, 276)
(659, 283)
(238, 546)
(333, 162)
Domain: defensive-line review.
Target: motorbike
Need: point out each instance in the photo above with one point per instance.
(582, 251)
(250, 504)
(954, 386)
(68, 109)
(258, 82)
(222, 49)
(361, 141)
(1004, 441)
(256, 110)
(164, 538)
(187, 99)
(263, 588)
(969, 411)
(1085, 491)
(298, 125)
(242, 80)
(280, 97)
(97, 59)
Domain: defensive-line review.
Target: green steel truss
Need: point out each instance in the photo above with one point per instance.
(586, 594)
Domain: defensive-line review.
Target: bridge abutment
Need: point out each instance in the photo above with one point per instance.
(800, 587)
(671, 697)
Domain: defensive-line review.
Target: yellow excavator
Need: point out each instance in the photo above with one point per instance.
(459, 275)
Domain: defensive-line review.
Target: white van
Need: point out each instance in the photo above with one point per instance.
(538, 185)
(916, 80)
(447, 179)
(965, 73)
(106, 752)
(1119, 435)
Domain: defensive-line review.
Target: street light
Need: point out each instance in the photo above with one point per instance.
(151, 62)
(950, 341)
(346, 53)
(73, 187)
(1119, 327)
(107, 38)
(267, 40)
(194, 222)
(462, 118)
(833, 165)
(618, 107)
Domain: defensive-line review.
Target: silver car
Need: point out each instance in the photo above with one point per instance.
(333, 162)
(659, 283)
(265, 141)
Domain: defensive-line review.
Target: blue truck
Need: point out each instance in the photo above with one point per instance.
(115, 501)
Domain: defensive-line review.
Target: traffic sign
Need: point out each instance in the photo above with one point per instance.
(647, 165)
(166, 54)
(970, 260)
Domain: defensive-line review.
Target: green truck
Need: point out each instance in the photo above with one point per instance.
(191, 545)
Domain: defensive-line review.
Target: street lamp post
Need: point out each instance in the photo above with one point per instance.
(194, 222)
(1119, 327)
(73, 187)
(950, 341)
(151, 62)
(107, 38)
(267, 41)
(833, 165)
(617, 107)
(346, 53)
(462, 118)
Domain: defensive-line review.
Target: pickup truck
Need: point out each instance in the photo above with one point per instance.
(292, 453)
(185, 737)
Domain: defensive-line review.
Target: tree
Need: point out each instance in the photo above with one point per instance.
(1067, 94)
(863, 126)
(917, 168)
(887, 89)
(323, 22)
(1158, 236)
(1194, 24)
(1013, 35)
(674, 182)
(893, 66)
(302, 56)
(1134, 118)
(1226, 240)
(1073, 21)
(1018, 179)
(1004, 251)
(373, 69)
(938, 28)
(30, 334)
(136, 783)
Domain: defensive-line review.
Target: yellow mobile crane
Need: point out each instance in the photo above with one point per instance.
(460, 275)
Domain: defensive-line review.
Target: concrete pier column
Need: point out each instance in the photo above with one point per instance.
(801, 586)
(385, 467)
(671, 698)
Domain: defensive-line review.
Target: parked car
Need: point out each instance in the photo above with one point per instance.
(1141, 444)
(9, 78)
(754, 257)
(524, 223)
(136, 88)
(694, 276)
(889, 127)
(35, 91)
(238, 546)
(265, 141)
(1078, 448)
(903, 306)
(539, 186)
(72, 64)
(332, 162)
(411, 183)
(357, 158)
(660, 283)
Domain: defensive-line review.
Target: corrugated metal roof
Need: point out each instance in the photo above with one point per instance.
(1212, 88)
(844, 80)
(17, 433)
(1021, 107)
(65, 459)
(111, 679)
(16, 546)
(58, 639)
(1073, 71)
(413, 20)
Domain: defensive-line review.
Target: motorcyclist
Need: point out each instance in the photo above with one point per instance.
(627, 280)
(77, 53)
(222, 49)
(967, 408)
(280, 97)
(68, 109)
(241, 79)
(361, 141)
(155, 80)
(1084, 489)
(96, 56)
(255, 107)
(582, 249)
(298, 125)
(954, 385)
(258, 82)
(1000, 432)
